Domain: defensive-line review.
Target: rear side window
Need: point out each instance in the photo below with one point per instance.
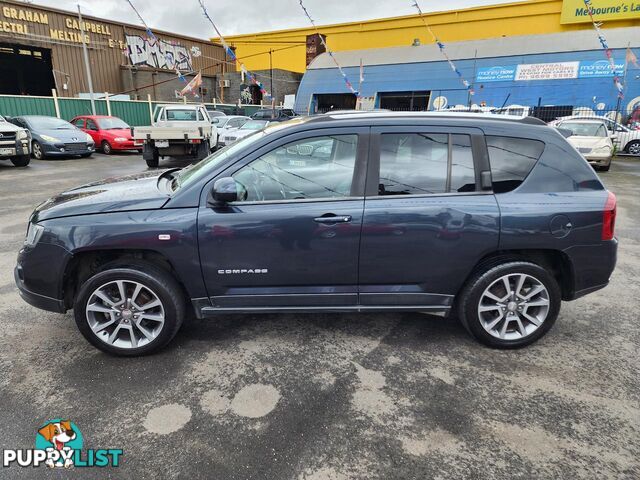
(511, 160)
(425, 163)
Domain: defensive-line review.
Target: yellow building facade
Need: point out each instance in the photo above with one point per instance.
(286, 49)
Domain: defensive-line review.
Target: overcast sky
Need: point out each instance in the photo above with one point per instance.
(248, 16)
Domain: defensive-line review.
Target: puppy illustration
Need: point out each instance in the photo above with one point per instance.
(58, 433)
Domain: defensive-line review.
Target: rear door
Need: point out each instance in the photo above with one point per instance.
(293, 242)
(427, 220)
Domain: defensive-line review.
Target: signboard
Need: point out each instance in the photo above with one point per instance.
(575, 11)
(598, 68)
(496, 74)
(547, 71)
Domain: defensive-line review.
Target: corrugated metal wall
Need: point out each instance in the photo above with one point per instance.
(438, 78)
(135, 113)
(106, 55)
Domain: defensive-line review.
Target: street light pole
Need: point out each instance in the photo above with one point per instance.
(85, 53)
(271, 75)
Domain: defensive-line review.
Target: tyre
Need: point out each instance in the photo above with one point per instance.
(154, 160)
(510, 305)
(21, 161)
(106, 147)
(633, 147)
(605, 168)
(36, 150)
(130, 310)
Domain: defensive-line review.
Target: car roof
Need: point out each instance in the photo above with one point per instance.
(478, 117)
(584, 120)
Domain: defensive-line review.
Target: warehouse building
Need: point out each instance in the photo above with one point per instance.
(41, 49)
(562, 69)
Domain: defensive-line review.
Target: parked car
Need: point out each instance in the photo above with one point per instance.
(54, 137)
(109, 133)
(591, 138)
(14, 143)
(624, 139)
(247, 128)
(213, 112)
(177, 131)
(277, 115)
(494, 218)
(226, 124)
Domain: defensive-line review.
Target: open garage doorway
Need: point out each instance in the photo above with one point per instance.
(335, 101)
(30, 71)
(405, 101)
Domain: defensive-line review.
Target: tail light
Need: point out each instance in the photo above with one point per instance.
(609, 217)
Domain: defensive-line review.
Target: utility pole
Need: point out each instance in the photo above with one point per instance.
(271, 75)
(87, 67)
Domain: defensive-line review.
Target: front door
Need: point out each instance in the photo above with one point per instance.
(427, 220)
(292, 242)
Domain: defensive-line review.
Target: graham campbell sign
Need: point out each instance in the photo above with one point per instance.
(575, 11)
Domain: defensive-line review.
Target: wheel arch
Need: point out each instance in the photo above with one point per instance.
(556, 262)
(85, 264)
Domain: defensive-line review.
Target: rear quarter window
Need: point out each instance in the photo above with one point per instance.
(511, 160)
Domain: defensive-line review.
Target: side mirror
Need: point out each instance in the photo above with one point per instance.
(226, 190)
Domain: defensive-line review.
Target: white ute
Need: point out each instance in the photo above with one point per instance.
(177, 131)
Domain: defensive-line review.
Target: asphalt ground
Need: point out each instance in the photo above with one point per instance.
(327, 396)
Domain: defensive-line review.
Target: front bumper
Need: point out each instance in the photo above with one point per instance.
(15, 149)
(128, 145)
(59, 149)
(598, 158)
(39, 275)
(39, 301)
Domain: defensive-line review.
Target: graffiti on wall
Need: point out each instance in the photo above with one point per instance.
(157, 54)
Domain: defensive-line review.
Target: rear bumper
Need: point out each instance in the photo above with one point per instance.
(592, 267)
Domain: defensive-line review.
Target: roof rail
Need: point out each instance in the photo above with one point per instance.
(532, 121)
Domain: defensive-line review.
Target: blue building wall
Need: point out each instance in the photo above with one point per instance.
(438, 78)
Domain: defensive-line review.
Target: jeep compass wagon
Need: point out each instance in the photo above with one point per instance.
(493, 219)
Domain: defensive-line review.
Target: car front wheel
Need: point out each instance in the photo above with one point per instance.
(634, 147)
(129, 310)
(36, 150)
(106, 148)
(510, 305)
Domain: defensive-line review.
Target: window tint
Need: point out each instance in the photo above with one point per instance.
(511, 160)
(79, 122)
(418, 163)
(319, 167)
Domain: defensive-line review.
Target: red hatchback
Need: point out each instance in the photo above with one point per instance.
(109, 133)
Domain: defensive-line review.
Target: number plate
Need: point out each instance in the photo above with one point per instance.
(162, 143)
(7, 151)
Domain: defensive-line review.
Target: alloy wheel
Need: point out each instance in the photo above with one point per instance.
(125, 314)
(634, 148)
(37, 151)
(514, 306)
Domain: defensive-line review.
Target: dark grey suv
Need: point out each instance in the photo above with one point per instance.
(491, 218)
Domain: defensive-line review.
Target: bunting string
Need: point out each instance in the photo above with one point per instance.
(153, 39)
(605, 46)
(252, 78)
(441, 47)
(328, 50)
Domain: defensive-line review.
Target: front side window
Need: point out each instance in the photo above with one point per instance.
(91, 125)
(79, 122)
(314, 168)
(511, 160)
(425, 163)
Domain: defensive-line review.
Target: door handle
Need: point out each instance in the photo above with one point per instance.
(330, 218)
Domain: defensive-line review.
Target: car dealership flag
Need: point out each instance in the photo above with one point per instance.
(193, 85)
(631, 58)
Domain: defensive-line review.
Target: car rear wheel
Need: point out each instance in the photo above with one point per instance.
(510, 305)
(154, 160)
(36, 150)
(21, 161)
(106, 147)
(634, 147)
(130, 310)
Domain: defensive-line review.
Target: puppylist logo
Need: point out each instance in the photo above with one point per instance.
(59, 444)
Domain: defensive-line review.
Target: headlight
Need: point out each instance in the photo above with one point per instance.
(120, 139)
(22, 134)
(34, 232)
(50, 139)
(89, 138)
